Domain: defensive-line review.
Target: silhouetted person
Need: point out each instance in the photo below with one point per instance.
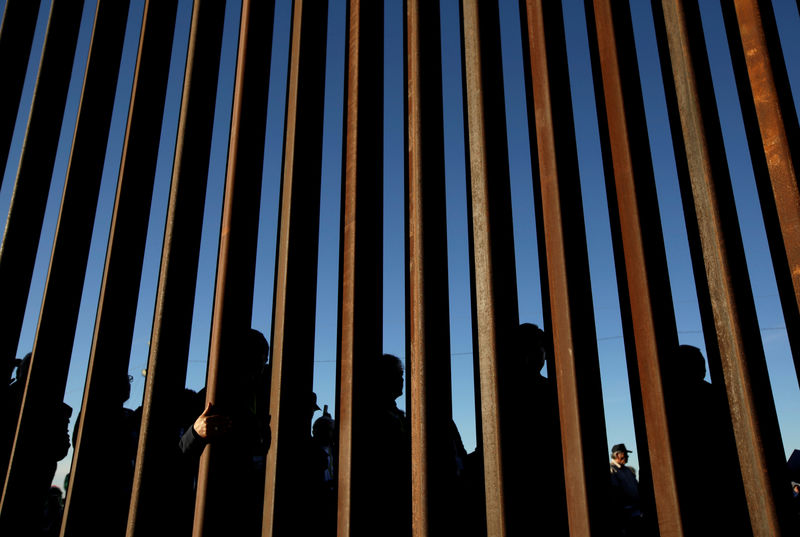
(700, 425)
(322, 475)
(459, 490)
(626, 510)
(384, 458)
(53, 510)
(238, 426)
(106, 464)
(535, 483)
(49, 443)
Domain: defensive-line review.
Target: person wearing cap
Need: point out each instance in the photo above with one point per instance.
(627, 513)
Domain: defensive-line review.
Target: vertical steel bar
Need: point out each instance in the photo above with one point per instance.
(773, 135)
(16, 38)
(223, 502)
(287, 485)
(492, 255)
(172, 322)
(744, 366)
(733, 515)
(109, 359)
(646, 494)
(58, 316)
(577, 366)
(28, 201)
(361, 255)
(625, 143)
(426, 280)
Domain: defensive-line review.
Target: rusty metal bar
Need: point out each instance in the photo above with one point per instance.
(16, 38)
(25, 216)
(732, 517)
(58, 316)
(109, 359)
(361, 256)
(773, 135)
(433, 495)
(169, 342)
(288, 483)
(491, 259)
(744, 366)
(577, 365)
(625, 143)
(225, 502)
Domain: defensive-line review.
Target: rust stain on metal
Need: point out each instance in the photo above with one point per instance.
(741, 354)
(636, 266)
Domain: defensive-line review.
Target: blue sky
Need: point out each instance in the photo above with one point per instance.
(609, 330)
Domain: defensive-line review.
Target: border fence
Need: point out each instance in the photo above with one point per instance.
(668, 480)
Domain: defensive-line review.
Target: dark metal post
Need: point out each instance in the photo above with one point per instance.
(361, 255)
(109, 360)
(25, 216)
(16, 38)
(426, 277)
(288, 485)
(625, 145)
(169, 343)
(226, 499)
(577, 366)
(55, 334)
(491, 254)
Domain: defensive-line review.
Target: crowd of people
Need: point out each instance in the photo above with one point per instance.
(239, 428)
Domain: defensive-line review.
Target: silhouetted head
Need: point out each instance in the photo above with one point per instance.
(122, 388)
(323, 430)
(690, 363)
(251, 349)
(255, 347)
(313, 407)
(531, 347)
(387, 377)
(23, 366)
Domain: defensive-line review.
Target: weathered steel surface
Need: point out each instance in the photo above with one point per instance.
(734, 513)
(427, 286)
(26, 214)
(361, 244)
(742, 355)
(773, 134)
(621, 113)
(577, 367)
(109, 359)
(285, 505)
(225, 500)
(52, 347)
(169, 342)
(494, 299)
(16, 37)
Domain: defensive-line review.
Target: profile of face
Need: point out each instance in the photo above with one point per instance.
(395, 379)
(621, 458)
(388, 375)
(531, 347)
